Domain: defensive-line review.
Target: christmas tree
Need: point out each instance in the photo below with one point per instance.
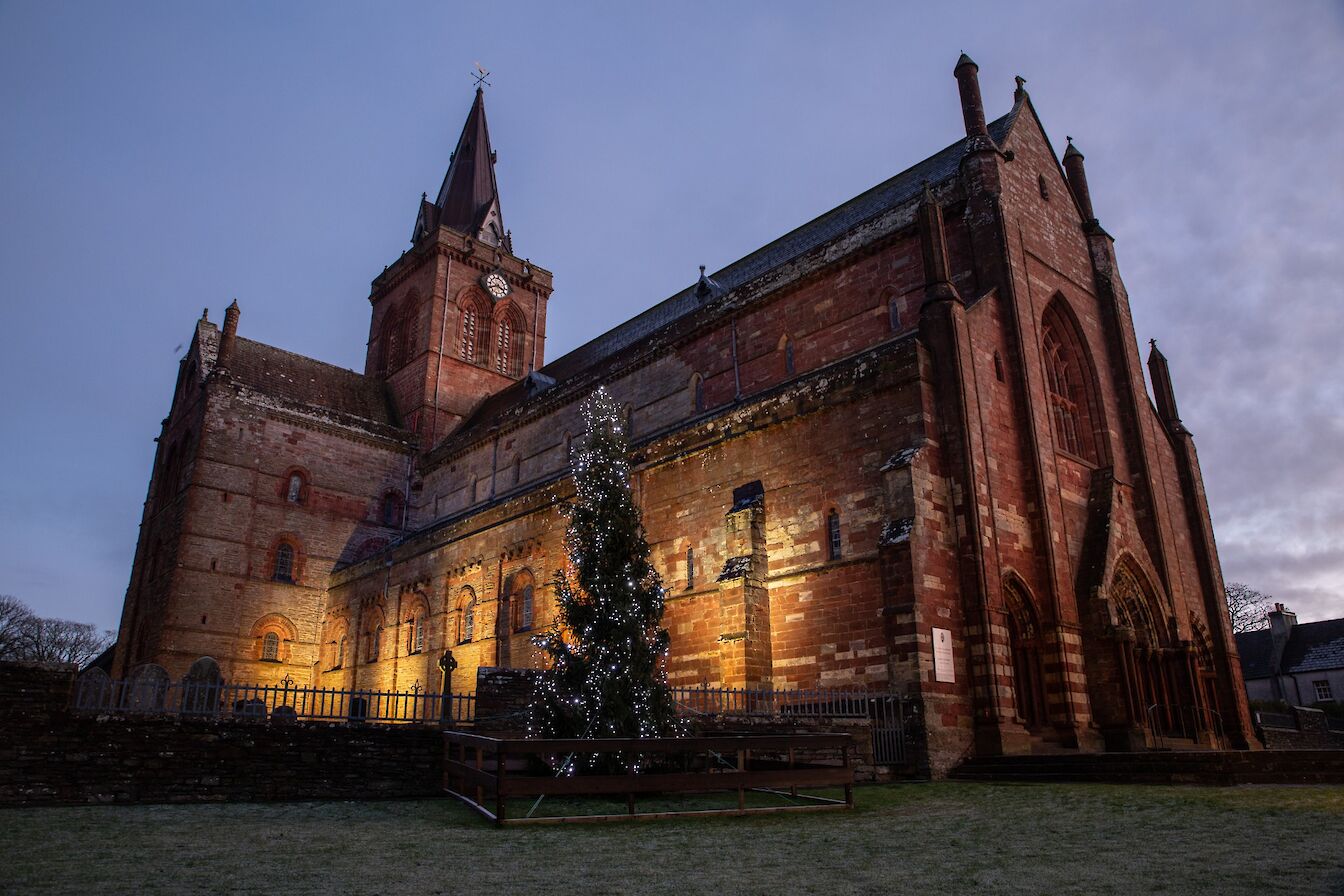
(606, 676)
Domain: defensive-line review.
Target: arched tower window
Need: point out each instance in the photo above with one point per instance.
(508, 353)
(697, 393)
(393, 337)
(1068, 382)
(270, 647)
(294, 493)
(284, 563)
(789, 368)
(833, 535)
(894, 314)
(471, 325)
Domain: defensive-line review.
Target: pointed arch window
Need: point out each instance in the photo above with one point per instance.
(504, 347)
(340, 653)
(375, 644)
(1068, 385)
(284, 563)
(690, 568)
(471, 324)
(833, 535)
(270, 647)
(697, 393)
(415, 634)
(789, 368)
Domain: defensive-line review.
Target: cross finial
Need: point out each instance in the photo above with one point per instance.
(480, 75)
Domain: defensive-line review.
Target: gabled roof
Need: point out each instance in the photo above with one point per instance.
(904, 188)
(299, 380)
(1311, 647)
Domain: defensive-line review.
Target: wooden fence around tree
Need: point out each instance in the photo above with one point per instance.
(488, 771)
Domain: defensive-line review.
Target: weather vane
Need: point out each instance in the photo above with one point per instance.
(480, 75)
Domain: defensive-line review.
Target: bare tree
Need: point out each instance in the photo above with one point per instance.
(14, 619)
(1248, 608)
(24, 636)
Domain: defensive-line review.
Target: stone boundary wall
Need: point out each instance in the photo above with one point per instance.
(50, 756)
(1312, 733)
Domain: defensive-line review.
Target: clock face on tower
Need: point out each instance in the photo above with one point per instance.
(495, 284)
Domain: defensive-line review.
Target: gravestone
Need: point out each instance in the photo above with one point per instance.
(93, 691)
(201, 688)
(502, 698)
(146, 689)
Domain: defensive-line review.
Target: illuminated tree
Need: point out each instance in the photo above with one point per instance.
(606, 676)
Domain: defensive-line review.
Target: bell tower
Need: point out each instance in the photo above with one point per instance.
(458, 316)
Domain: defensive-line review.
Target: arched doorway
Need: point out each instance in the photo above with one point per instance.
(1024, 642)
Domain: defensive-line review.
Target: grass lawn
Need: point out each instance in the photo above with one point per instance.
(921, 839)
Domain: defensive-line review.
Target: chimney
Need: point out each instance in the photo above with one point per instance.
(1077, 176)
(1281, 622)
(972, 108)
(229, 335)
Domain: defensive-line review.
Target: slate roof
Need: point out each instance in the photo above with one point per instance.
(1314, 646)
(1311, 647)
(1256, 650)
(469, 187)
(904, 188)
(306, 381)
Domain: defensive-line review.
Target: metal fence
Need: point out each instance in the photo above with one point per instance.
(886, 713)
(278, 703)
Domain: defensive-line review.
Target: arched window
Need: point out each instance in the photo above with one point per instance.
(390, 512)
(833, 535)
(375, 644)
(340, 653)
(504, 347)
(284, 563)
(1068, 383)
(294, 494)
(525, 609)
(998, 367)
(471, 327)
(415, 633)
(270, 647)
(787, 345)
(690, 568)
(894, 314)
(468, 620)
(697, 393)
(392, 335)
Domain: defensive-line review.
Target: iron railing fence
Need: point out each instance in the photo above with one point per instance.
(277, 703)
(887, 713)
(1192, 723)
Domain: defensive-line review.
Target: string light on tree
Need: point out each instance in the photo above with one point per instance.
(607, 673)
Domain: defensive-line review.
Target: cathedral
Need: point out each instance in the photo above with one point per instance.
(906, 446)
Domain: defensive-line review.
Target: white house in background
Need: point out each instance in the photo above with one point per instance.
(1300, 664)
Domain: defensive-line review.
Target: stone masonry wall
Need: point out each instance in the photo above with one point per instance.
(50, 756)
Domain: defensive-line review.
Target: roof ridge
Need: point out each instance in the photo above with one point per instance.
(307, 358)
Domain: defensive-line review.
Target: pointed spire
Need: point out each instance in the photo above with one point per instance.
(1164, 395)
(468, 201)
(1077, 177)
(972, 107)
(228, 336)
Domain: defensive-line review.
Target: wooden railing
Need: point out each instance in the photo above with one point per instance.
(487, 772)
